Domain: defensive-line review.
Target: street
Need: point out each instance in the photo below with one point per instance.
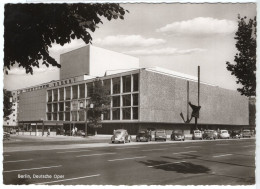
(214, 162)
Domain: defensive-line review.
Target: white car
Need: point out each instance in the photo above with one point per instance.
(121, 135)
(223, 134)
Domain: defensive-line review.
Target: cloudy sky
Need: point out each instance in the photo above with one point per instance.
(178, 37)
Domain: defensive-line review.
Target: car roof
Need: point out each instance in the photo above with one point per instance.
(120, 130)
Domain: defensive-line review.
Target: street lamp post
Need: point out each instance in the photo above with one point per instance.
(86, 115)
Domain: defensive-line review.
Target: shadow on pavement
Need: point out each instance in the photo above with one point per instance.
(182, 167)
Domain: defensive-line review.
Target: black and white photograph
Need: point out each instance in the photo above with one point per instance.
(129, 93)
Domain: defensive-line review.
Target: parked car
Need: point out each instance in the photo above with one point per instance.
(209, 135)
(121, 135)
(81, 133)
(177, 135)
(6, 136)
(143, 135)
(13, 131)
(196, 134)
(246, 133)
(223, 134)
(160, 134)
(235, 134)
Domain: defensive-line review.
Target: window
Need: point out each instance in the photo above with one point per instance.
(107, 85)
(106, 115)
(135, 82)
(116, 113)
(55, 107)
(135, 99)
(61, 117)
(126, 84)
(126, 100)
(13, 114)
(82, 115)
(61, 91)
(75, 91)
(61, 106)
(89, 89)
(68, 92)
(55, 94)
(116, 101)
(54, 115)
(82, 91)
(74, 115)
(67, 106)
(48, 107)
(116, 85)
(135, 112)
(67, 116)
(126, 113)
(50, 96)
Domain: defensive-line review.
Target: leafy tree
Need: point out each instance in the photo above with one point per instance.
(101, 103)
(30, 29)
(7, 104)
(245, 67)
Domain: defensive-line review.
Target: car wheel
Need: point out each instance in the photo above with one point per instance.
(155, 139)
(165, 140)
(113, 141)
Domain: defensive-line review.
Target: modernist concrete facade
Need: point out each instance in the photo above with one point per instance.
(140, 98)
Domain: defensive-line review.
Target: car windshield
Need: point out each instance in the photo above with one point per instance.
(208, 131)
(160, 131)
(246, 131)
(196, 132)
(118, 132)
(178, 132)
(223, 131)
(141, 131)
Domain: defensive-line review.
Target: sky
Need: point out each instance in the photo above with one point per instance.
(174, 36)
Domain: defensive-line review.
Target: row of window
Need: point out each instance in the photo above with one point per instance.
(117, 101)
(130, 113)
(124, 84)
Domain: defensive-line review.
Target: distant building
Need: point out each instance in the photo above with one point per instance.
(140, 97)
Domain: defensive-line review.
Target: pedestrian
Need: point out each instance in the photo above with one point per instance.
(48, 132)
(76, 129)
(73, 131)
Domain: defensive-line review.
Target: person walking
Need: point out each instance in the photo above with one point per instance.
(76, 129)
(48, 132)
(73, 131)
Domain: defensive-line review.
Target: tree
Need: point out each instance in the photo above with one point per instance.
(101, 103)
(30, 29)
(245, 67)
(7, 104)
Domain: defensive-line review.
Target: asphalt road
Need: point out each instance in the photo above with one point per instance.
(220, 162)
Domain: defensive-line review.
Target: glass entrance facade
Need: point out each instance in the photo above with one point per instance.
(63, 102)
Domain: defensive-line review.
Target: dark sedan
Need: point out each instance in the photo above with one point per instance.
(177, 135)
(143, 135)
(209, 134)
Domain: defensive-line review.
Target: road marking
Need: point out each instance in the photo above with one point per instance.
(6, 155)
(126, 158)
(72, 151)
(184, 152)
(248, 145)
(17, 161)
(95, 154)
(166, 164)
(222, 144)
(223, 155)
(76, 178)
(32, 169)
(126, 148)
(252, 151)
(192, 147)
(154, 149)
